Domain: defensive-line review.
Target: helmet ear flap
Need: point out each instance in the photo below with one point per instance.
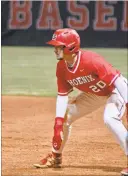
(70, 50)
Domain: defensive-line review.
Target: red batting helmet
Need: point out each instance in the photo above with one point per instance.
(68, 38)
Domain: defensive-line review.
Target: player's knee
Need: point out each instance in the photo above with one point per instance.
(67, 129)
(111, 112)
(67, 126)
(107, 120)
(68, 118)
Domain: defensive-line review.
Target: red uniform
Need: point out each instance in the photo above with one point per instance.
(91, 73)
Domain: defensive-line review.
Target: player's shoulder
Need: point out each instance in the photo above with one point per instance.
(89, 56)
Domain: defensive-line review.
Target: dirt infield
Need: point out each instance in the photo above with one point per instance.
(27, 127)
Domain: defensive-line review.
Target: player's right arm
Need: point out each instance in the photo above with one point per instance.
(64, 88)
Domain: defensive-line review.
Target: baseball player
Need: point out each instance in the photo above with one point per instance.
(99, 84)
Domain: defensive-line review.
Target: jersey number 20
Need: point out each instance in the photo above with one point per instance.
(98, 86)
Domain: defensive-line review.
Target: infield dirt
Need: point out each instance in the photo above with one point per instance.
(27, 128)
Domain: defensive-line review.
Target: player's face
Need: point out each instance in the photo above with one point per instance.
(59, 52)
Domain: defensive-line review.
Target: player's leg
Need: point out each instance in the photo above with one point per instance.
(113, 113)
(114, 110)
(78, 107)
(82, 105)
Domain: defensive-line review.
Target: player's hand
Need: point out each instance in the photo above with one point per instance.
(58, 133)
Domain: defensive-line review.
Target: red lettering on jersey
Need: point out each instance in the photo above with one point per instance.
(90, 74)
(102, 11)
(20, 15)
(49, 17)
(124, 25)
(82, 12)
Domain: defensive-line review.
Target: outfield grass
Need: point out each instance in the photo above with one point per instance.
(31, 70)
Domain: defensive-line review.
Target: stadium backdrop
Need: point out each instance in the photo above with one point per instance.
(31, 23)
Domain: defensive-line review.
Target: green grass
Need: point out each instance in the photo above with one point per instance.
(31, 70)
